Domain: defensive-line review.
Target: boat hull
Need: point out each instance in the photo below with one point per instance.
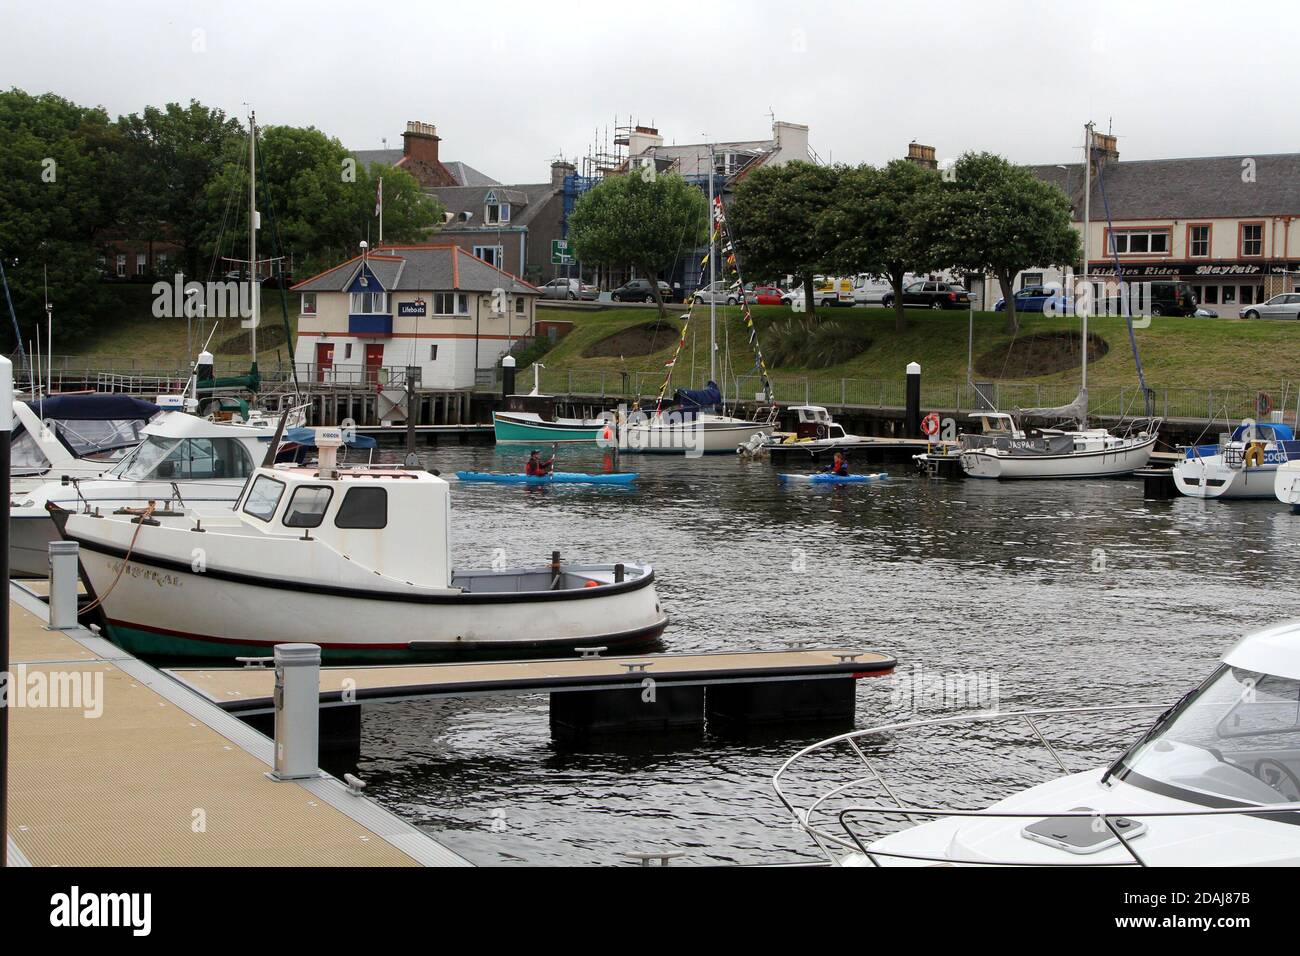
(1199, 478)
(530, 430)
(1108, 463)
(701, 436)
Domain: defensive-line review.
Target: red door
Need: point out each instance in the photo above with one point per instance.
(324, 360)
(374, 361)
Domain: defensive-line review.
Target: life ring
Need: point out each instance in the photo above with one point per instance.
(930, 424)
(1263, 404)
(1254, 456)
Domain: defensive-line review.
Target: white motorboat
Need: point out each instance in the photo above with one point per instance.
(1006, 450)
(80, 435)
(1286, 484)
(816, 436)
(183, 461)
(1244, 466)
(356, 560)
(1215, 781)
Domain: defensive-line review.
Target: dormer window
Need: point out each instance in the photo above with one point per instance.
(369, 303)
(496, 212)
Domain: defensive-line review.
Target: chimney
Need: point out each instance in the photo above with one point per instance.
(1104, 149)
(559, 169)
(642, 138)
(791, 141)
(923, 156)
(420, 142)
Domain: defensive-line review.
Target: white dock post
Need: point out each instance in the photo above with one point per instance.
(64, 556)
(297, 711)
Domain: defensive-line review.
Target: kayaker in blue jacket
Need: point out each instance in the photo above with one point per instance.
(538, 468)
(838, 467)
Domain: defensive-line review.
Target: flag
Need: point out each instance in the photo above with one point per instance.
(379, 197)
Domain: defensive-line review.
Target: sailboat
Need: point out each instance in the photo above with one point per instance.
(1019, 451)
(695, 422)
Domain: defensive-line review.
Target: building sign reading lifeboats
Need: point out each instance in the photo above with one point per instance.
(418, 307)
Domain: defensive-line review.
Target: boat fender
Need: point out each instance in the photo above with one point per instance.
(1254, 456)
(930, 424)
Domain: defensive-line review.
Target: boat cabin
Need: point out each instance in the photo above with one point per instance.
(543, 406)
(54, 431)
(813, 422)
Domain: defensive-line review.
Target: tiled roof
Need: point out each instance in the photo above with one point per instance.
(525, 203)
(1201, 188)
(464, 174)
(426, 268)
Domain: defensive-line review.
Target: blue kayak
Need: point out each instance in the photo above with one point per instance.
(825, 478)
(555, 478)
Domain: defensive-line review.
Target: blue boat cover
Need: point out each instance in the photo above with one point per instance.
(94, 407)
(307, 438)
(1265, 432)
(698, 399)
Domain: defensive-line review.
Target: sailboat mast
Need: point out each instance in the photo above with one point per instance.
(1087, 237)
(254, 287)
(713, 294)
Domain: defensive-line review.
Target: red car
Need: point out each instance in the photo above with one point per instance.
(763, 295)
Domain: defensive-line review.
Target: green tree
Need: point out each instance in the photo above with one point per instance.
(876, 225)
(53, 199)
(994, 217)
(647, 221)
(776, 218)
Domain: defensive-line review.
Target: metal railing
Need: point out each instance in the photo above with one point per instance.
(831, 842)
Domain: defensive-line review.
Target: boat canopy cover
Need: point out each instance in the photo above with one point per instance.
(307, 438)
(1076, 411)
(1265, 432)
(93, 407)
(706, 397)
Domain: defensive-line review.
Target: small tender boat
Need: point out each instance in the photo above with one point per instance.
(1243, 466)
(1215, 781)
(531, 420)
(354, 559)
(829, 479)
(554, 478)
(80, 435)
(817, 435)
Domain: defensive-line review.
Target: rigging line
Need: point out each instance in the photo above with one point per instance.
(277, 247)
(231, 194)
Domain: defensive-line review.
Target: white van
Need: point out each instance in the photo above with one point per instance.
(870, 290)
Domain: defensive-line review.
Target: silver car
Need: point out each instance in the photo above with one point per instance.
(1284, 306)
(571, 289)
(722, 293)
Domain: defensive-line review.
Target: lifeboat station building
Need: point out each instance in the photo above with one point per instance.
(437, 308)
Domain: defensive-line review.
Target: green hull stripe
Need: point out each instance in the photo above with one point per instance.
(516, 432)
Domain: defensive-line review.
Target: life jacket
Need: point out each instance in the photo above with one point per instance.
(534, 467)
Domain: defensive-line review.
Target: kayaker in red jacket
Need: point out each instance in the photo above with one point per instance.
(538, 468)
(838, 467)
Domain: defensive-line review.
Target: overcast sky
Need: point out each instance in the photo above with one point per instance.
(513, 85)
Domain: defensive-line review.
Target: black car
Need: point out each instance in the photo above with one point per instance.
(1173, 298)
(931, 295)
(638, 290)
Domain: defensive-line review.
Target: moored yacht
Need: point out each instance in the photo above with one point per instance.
(1005, 449)
(354, 559)
(1244, 466)
(1215, 781)
(80, 435)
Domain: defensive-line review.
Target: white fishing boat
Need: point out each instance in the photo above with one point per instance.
(183, 461)
(355, 559)
(1004, 449)
(1215, 781)
(816, 436)
(1246, 465)
(80, 435)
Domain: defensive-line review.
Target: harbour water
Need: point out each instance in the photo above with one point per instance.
(1044, 594)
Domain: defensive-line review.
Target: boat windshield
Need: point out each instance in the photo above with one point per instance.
(184, 459)
(94, 437)
(1236, 738)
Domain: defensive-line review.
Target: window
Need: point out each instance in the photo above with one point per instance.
(170, 459)
(369, 303)
(1229, 295)
(309, 303)
(347, 351)
(1028, 279)
(450, 303)
(1247, 295)
(1198, 242)
(121, 264)
(263, 498)
(433, 353)
(1252, 239)
(25, 455)
(492, 255)
(363, 508)
(141, 263)
(306, 509)
(496, 212)
(1211, 295)
(162, 263)
(519, 305)
(1139, 242)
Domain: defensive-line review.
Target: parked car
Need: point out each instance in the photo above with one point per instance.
(571, 289)
(932, 295)
(1203, 313)
(1173, 298)
(1284, 306)
(722, 293)
(1035, 299)
(763, 294)
(639, 290)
